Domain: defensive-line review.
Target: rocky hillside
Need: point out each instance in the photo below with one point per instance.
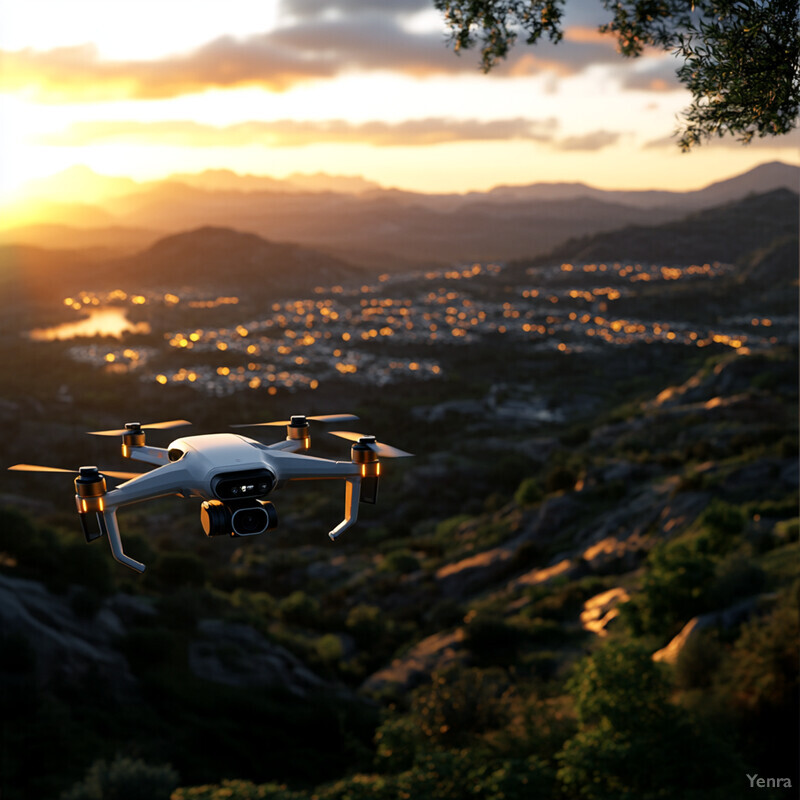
(660, 524)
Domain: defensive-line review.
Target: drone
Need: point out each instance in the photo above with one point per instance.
(229, 472)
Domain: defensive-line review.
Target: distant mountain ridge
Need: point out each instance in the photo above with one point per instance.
(359, 222)
(728, 233)
(760, 179)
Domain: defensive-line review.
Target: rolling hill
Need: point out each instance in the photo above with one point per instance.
(381, 229)
(724, 233)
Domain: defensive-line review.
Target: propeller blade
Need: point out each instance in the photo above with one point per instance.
(37, 468)
(172, 423)
(108, 473)
(383, 450)
(283, 422)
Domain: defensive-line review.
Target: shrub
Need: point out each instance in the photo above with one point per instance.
(626, 724)
(329, 648)
(300, 608)
(529, 492)
(124, 779)
(674, 589)
(366, 623)
(401, 560)
(735, 578)
(724, 524)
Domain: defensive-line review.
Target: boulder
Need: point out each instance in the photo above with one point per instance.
(727, 618)
(69, 649)
(600, 610)
(235, 654)
(431, 654)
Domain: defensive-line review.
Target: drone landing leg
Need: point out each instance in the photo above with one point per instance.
(112, 529)
(351, 492)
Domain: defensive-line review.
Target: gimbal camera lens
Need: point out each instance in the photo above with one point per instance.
(237, 519)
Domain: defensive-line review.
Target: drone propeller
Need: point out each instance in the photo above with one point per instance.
(109, 473)
(300, 420)
(137, 426)
(379, 448)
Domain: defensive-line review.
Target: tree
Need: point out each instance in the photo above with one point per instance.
(741, 58)
(632, 743)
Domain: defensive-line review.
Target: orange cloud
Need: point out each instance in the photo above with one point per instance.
(68, 74)
(294, 133)
(315, 48)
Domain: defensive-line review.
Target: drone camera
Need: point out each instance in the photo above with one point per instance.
(90, 491)
(238, 519)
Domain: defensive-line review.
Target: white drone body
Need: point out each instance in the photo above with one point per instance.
(229, 473)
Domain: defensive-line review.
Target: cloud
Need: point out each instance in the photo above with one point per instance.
(313, 8)
(788, 141)
(311, 47)
(294, 133)
(66, 74)
(659, 75)
(596, 140)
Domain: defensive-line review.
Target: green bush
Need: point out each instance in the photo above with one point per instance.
(724, 524)
(366, 624)
(674, 589)
(788, 530)
(762, 669)
(529, 492)
(300, 608)
(455, 709)
(626, 725)
(124, 779)
(735, 578)
(329, 648)
(399, 561)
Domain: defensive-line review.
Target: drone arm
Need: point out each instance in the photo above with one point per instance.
(109, 518)
(289, 466)
(151, 455)
(172, 478)
(287, 445)
(352, 489)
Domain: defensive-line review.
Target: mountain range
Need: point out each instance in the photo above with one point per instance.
(352, 219)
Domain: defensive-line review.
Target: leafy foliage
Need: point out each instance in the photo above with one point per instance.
(627, 724)
(740, 57)
(124, 779)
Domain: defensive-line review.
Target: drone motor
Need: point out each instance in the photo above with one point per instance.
(90, 491)
(363, 454)
(134, 436)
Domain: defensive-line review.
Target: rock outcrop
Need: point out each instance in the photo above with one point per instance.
(433, 653)
(68, 648)
(238, 655)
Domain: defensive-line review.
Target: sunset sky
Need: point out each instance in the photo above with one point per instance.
(369, 87)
